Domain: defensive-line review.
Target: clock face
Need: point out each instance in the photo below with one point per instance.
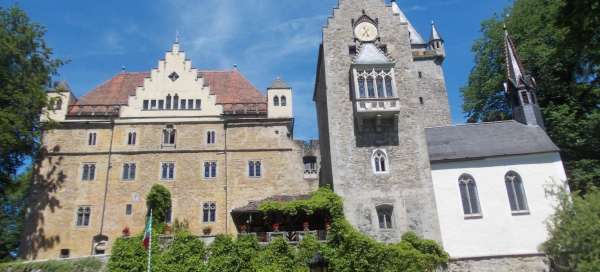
(365, 32)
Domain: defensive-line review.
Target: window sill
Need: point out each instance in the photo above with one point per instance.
(209, 178)
(473, 216)
(167, 180)
(523, 212)
(127, 180)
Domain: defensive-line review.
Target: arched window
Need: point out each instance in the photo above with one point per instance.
(380, 162)
(389, 89)
(283, 101)
(469, 195)
(169, 135)
(361, 87)
(516, 192)
(384, 214)
(175, 102)
(131, 138)
(370, 87)
(276, 101)
(380, 90)
(58, 104)
(168, 102)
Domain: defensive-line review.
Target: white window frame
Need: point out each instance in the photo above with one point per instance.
(469, 200)
(207, 138)
(83, 164)
(160, 176)
(374, 72)
(129, 171)
(262, 169)
(83, 220)
(216, 172)
(519, 210)
(95, 138)
(374, 165)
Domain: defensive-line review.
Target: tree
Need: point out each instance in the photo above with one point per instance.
(566, 73)
(574, 243)
(26, 67)
(159, 201)
(12, 213)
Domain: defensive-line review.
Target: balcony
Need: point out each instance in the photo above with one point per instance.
(292, 237)
(377, 106)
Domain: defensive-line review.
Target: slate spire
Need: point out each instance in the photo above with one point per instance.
(520, 87)
(415, 37)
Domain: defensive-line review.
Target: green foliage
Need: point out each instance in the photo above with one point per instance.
(26, 65)
(558, 43)
(159, 201)
(574, 243)
(346, 250)
(185, 254)
(80, 265)
(12, 215)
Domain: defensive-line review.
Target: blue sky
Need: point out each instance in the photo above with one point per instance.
(265, 38)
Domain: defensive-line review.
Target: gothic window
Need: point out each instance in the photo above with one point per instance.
(175, 102)
(516, 192)
(469, 195)
(168, 102)
(380, 90)
(384, 214)
(210, 169)
(211, 137)
(389, 90)
(92, 138)
(169, 135)
(131, 137)
(129, 171)
(167, 171)
(88, 171)
(283, 101)
(128, 209)
(83, 216)
(361, 87)
(380, 162)
(254, 169)
(370, 87)
(209, 212)
(276, 101)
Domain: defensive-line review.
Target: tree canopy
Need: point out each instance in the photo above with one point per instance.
(559, 44)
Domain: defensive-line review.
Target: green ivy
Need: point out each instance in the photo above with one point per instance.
(346, 249)
(159, 200)
(81, 265)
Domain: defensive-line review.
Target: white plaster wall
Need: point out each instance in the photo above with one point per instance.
(187, 86)
(280, 111)
(497, 232)
(58, 115)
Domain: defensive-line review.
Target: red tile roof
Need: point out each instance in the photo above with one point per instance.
(230, 87)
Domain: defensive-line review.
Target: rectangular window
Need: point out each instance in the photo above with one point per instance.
(83, 216)
(175, 102)
(209, 212)
(167, 171)
(210, 137)
(88, 171)
(153, 104)
(131, 137)
(92, 138)
(190, 104)
(210, 169)
(64, 253)
(129, 171)
(128, 209)
(146, 104)
(169, 216)
(168, 102)
(198, 105)
(161, 104)
(254, 169)
(183, 104)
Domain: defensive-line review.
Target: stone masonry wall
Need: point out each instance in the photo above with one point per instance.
(500, 264)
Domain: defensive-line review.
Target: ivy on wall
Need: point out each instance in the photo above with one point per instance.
(346, 249)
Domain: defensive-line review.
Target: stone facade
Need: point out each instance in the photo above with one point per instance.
(241, 134)
(532, 263)
(346, 156)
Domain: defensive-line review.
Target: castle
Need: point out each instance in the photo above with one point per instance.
(387, 147)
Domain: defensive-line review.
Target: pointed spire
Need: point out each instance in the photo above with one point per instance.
(435, 35)
(415, 37)
(514, 68)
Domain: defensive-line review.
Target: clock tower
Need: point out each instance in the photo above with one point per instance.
(379, 85)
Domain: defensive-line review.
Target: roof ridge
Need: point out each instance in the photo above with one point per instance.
(475, 124)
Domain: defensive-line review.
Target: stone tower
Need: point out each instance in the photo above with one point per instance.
(378, 85)
(520, 88)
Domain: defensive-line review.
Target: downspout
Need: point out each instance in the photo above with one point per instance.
(108, 168)
(226, 182)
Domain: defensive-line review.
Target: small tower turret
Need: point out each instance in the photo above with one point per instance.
(520, 88)
(279, 95)
(436, 43)
(59, 99)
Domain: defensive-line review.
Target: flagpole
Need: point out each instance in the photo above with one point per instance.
(150, 244)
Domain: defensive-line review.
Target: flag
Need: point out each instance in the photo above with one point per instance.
(148, 232)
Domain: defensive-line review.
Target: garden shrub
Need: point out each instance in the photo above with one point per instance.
(186, 253)
(159, 200)
(79, 265)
